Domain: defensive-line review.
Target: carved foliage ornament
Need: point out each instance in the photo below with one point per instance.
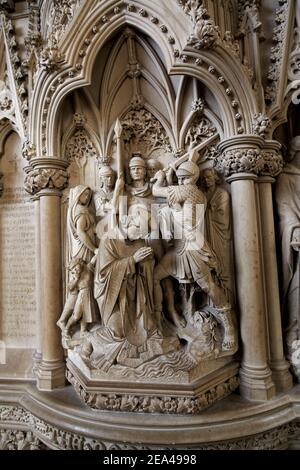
(279, 39)
(204, 31)
(45, 178)
(273, 439)
(19, 440)
(144, 132)
(61, 14)
(261, 124)
(252, 161)
(154, 404)
(18, 72)
(80, 148)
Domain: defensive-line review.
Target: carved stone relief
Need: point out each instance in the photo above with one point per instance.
(288, 204)
(117, 320)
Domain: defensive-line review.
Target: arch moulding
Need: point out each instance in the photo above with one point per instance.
(215, 67)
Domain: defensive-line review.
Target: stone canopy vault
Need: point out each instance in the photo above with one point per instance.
(149, 224)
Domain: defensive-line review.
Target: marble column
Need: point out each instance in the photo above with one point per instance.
(47, 178)
(279, 366)
(240, 163)
(37, 356)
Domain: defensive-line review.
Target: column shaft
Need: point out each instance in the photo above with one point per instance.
(51, 370)
(255, 375)
(280, 368)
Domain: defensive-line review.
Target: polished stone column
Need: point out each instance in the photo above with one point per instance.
(279, 366)
(240, 162)
(37, 356)
(47, 178)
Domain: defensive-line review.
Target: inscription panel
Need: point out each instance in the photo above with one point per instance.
(17, 269)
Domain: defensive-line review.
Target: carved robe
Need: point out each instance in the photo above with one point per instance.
(288, 204)
(124, 290)
(218, 231)
(78, 211)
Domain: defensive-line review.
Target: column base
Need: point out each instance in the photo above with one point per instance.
(281, 376)
(50, 375)
(256, 384)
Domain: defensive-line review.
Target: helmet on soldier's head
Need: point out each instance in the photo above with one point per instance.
(137, 160)
(106, 171)
(188, 169)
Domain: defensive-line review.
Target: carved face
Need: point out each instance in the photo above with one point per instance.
(85, 197)
(137, 173)
(152, 168)
(185, 180)
(208, 178)
(108, 182)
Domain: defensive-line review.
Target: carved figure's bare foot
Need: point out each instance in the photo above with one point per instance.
(229, 341)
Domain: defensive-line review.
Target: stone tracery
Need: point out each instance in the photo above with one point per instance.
(183, 98)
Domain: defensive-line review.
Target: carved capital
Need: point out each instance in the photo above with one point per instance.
(46, 173)
(249, 154)
(204, 31)
(239, 161)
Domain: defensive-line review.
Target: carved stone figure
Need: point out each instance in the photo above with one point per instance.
(139, 190)
(124, 292)
(288, 203)
(191, 259)
(218, 224)
(81, 224)
(152, 168)
(104, 200)
(104, 195)
(80, 303)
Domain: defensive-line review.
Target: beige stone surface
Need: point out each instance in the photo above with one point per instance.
(155, 93)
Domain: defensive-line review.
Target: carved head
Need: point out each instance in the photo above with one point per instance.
(295, 151)
(138, 168)
(187, 173)
(137, 222)
(85, 197)
(107, 178)
(209, 178)
(152, 168)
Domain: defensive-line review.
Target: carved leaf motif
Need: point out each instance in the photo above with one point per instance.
(80, 148)
(144, 133)
(200, 130)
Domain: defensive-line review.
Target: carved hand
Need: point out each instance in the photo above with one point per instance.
(142, 254)
(159, 177)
